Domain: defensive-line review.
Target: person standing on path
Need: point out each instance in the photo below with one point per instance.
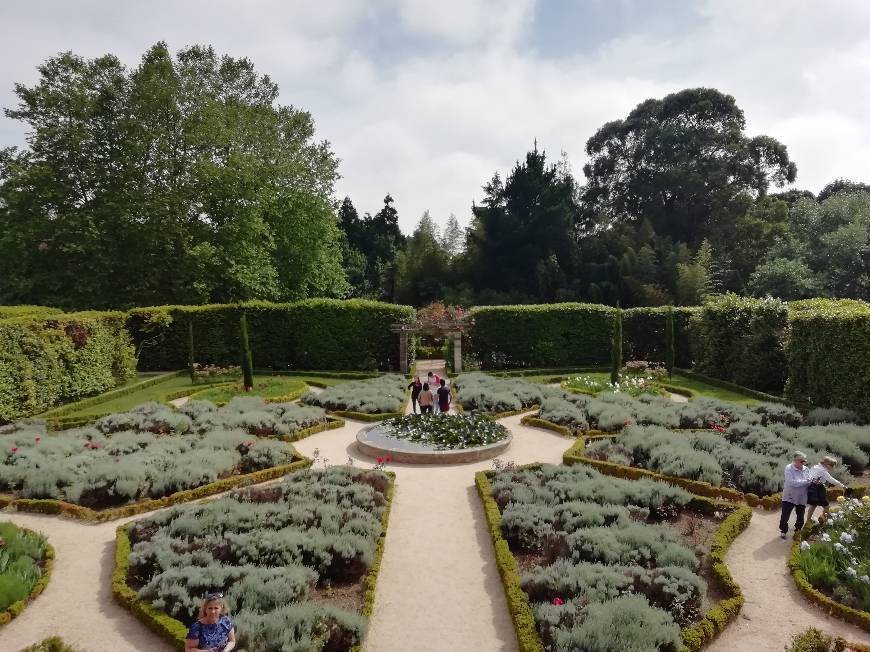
(817, 493)
(426, 399)
(434, 381)
(444, 397)
(794, 493)
(416, 387)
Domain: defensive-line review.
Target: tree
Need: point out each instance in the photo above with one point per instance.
(841, 185)
(181, 181)
(453, 237)
(784, 278)
(681, 162)
(422, 266)
(521, 224)
(694, 280)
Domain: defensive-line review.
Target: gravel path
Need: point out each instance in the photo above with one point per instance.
(774, 610)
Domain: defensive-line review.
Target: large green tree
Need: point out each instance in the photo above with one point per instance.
(683, 162)
(182, 180)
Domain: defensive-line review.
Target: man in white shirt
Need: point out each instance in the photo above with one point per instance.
(794, 493)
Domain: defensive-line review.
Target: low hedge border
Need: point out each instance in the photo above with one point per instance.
(536, 422)
(338, 375)
(330, 424)
(546, 371)
(70, 510)
(15, 609)
(752, 393)
(694, 637)
(174, 631)
(676, 389)
(69, 408)
(830, 606)
(363, 416)
(285, 398)
(371, 578)
(518, 602)
(52, 644)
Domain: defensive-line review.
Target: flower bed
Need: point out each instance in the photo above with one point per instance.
(479, 392)
(149, 453)
(384, 395)
(446, 431)
(296, 561)
(276, 389)
(749, 458)
(834, 560)
(26, 559)
(602, 571)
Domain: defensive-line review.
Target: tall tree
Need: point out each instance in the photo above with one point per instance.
(682, 162)
(423, 266)
(453, 237)
(182, 180)
(522, 234)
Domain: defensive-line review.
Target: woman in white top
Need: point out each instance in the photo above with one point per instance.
(820, 475)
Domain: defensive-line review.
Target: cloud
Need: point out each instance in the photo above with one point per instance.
(426, 100)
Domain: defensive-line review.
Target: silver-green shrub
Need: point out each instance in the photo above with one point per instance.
(371, 396)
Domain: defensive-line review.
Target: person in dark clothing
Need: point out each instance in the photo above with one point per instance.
(416, 387)
(444, 397)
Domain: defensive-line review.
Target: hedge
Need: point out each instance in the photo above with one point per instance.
(311, 334)
(71, 510)
(828, 605)
(828, 354)
(694, 637)
(76, 406)
(643, 334)
(10, 312)
(740, 340)
(174, 631)
(547, 335)
(60, 358)
(52, 644)
(15, 609)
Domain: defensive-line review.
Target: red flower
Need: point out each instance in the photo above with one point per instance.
(558, 601)
(380, 460)
(96, 445)
(627, 422)
(388, 459)
(14, 449)
(38, 439)
(249, 443)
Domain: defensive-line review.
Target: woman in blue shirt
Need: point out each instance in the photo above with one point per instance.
(213, 631)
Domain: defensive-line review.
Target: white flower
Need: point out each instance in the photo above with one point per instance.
(839, 547)
(826, 536)
(845, 537)
(865, 579)
(851, 572)
(805, 545)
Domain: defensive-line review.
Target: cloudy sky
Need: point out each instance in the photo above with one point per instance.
(425, 99)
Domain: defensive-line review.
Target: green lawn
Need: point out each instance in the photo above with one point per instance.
(700, 388)
(269, 387)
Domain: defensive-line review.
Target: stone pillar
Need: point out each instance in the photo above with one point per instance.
(457, 353)
(403, 352)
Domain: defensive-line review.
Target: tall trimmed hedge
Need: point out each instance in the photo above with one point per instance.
(644, 337)
(828, 354)
(51, 360)
(546, 335)
(740, 339)
(311, 334)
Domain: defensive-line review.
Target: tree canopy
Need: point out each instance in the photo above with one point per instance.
(181, 180)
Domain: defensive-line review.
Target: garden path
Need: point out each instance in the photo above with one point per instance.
(774, 610)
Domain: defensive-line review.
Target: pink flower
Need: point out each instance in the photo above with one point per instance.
(14, 449)
(96, 445)
(249, 443)
(38, 439)
(380, 460)
(558, 601)
(627, 422)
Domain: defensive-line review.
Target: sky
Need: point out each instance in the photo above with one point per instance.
(425, 100)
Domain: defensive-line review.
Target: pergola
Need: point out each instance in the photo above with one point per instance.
(439, 329)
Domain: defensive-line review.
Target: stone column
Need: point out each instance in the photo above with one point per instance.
(457, 352)
(403, 352)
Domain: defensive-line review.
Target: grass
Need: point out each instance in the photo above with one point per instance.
(700, 388)
(269, 387)
(178, 383)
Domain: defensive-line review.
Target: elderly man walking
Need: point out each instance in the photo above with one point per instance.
(794, 493)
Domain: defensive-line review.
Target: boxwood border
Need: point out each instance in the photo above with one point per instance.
(15, 609)
(693, 637)
(830, 606)
(174, 631)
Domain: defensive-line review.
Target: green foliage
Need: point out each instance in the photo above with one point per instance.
(53, 644)
(740, 340)
(247, 363)
(382, 395)
(565, 334)
(813, 640)
(445, 431)
(46, 361)
(828, 354)
(271, 388)
(616, 347)
(267, 549)
(312, 334)
(187, 164)
(479, 392)
(20, 557)
(670, 352)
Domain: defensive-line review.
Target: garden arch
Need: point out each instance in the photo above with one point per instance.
(451, 329)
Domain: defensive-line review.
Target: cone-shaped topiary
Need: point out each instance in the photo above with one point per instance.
(616, 347)
(247, 363)
(669, 342)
